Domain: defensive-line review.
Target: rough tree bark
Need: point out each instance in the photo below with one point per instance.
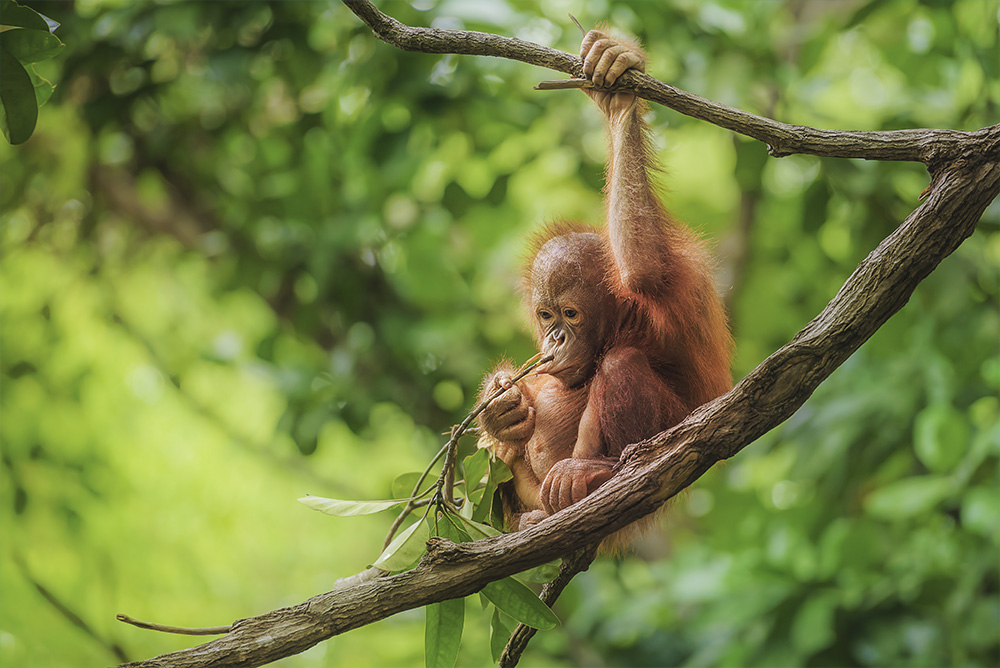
(965, 177)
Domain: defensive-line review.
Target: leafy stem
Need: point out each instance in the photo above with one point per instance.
(444, 487)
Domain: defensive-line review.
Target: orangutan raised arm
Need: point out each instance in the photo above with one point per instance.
(630, 315)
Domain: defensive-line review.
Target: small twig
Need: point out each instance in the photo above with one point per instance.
(563, 84)
(180, 630)
(458, 431)
(411, 505)
(450, 451)
(446, 481)
(527, 368)
(573, 19)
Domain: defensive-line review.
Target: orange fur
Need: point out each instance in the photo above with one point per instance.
(638, 318)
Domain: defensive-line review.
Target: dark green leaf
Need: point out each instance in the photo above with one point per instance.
(449, 527)
(476, 466)
(30, 46)
(539, 574)
(500, 630)
(499, 472)
(443, 633)
(13, 14)
(489, 500)
(18, 98)
(497, 515)
(521, 603)
(482, 500)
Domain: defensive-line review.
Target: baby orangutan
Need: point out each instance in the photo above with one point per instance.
(630, 314)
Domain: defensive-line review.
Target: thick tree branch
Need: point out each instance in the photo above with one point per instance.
(966, 178)
(657, 469)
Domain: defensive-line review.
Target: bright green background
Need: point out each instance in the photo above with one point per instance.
(251, 253)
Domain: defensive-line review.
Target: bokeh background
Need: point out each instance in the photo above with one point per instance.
(251, 253)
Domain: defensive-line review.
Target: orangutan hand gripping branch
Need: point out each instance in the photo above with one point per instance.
(630, 315)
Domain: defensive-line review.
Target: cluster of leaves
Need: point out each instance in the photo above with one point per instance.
(25, 39)
(506, 601)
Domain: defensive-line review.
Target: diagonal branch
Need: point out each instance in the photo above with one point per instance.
(658, 468)
(966, 178)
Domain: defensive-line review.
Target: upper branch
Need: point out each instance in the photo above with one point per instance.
(465, 42)
(931, 147)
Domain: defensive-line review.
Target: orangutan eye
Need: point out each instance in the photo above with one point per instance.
(570, 313)
(544, 315)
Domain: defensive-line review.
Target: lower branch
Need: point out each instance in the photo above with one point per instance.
(570, 568)
(658, 468)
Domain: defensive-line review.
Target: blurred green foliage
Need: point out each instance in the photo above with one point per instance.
(252, 253)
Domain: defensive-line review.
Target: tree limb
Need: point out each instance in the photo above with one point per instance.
(570, 568)
(927, 146)
(965, 179)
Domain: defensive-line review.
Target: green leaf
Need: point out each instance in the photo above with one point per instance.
(402, 486)
(43, 87)
(481, 501)
(501, 629)
(940, 437)
(477, 530)
(539, 574)
(499, 472)
(908, 498)
(468, 509)
(13, 14)
(31, 46)
(443, 633)
(342, 508)
(497, 516)
(406, 549)
(450, 528)
(519, 602)
(476, 467)
(17, 96)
